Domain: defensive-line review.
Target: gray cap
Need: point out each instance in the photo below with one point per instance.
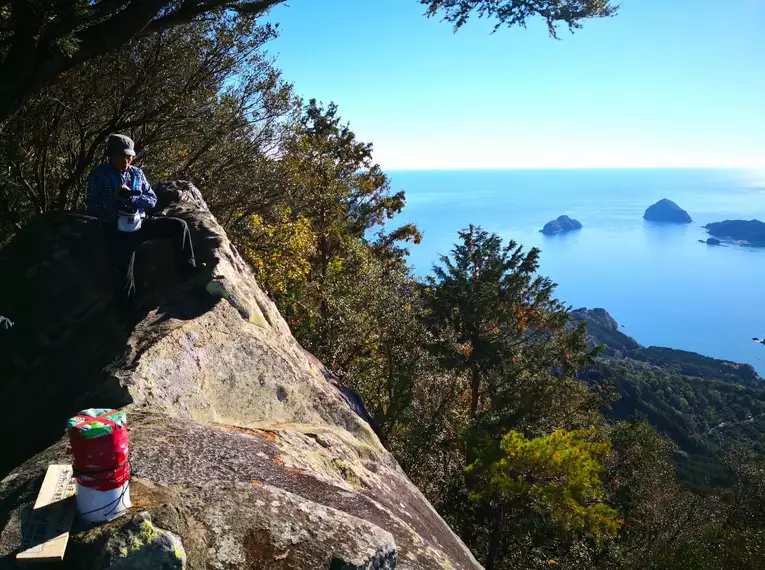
(120, 144)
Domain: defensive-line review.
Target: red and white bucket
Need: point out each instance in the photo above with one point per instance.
(99, 440)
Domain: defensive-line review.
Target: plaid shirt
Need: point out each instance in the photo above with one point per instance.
(101, 188)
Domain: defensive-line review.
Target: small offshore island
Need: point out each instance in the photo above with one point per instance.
(752, 232)
(666, 211)
(562, 225)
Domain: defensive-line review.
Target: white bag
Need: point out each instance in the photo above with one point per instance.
(129, 222)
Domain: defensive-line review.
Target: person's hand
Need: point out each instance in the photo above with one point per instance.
(123, 193)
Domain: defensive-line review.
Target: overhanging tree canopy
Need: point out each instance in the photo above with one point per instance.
(39, 39)
(517, 12)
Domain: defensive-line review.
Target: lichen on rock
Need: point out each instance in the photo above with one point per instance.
(138, 544)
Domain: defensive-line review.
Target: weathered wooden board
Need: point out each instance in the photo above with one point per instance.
(45, 532)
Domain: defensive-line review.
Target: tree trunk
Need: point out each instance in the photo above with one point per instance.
(324, 269)
(475, 385)
(495, 541)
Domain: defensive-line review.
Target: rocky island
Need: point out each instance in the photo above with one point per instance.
(667, 211)
(562, 225)
(750, 231)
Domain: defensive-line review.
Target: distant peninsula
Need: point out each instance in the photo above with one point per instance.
(668, 212)
(562, 225)
(603, 329)
(751, 231)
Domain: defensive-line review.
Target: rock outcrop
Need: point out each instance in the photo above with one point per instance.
(750, 231)
(244, 446)
(668, 212)
(137, 543)
(602, 329)
(561, 225)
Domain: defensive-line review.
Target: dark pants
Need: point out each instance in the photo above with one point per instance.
(123, 246)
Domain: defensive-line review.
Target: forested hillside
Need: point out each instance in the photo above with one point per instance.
(705, 405)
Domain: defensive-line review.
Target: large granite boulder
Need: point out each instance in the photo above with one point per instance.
(244, 446)
(667, 211)
(561, 225)
(751, 232)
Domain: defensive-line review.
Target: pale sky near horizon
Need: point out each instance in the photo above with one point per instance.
(665, 83)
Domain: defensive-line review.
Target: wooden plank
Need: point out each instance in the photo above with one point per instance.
(45, 532)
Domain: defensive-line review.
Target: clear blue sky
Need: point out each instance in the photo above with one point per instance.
(665, 83)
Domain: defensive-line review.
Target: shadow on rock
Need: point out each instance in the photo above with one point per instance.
(67, 334)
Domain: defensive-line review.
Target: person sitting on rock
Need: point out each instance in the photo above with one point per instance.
(119, 195)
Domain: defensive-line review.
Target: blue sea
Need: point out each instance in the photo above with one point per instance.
(658, 281)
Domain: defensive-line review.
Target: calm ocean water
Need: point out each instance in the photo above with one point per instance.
(656, 280)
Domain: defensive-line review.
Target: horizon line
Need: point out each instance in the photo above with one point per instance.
(476, 168)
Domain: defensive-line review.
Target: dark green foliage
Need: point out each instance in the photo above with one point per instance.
(703, 404)
(174, 93)
(692, 364)
(40, 39)
(602, 329)
(329, 178)
(495, 324)
(336, 182)
(518, 12)
(492, 314)
(705, 418)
